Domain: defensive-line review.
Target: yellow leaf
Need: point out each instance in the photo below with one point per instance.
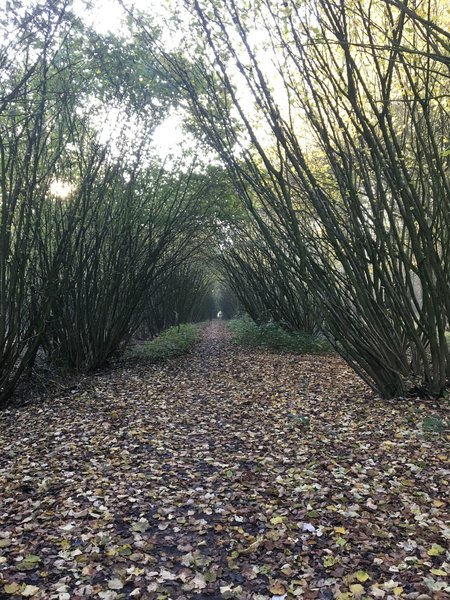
(438, 503)
(362, 576)
(435, 550)
(330, 561)
(439, 572)
(398, 591)
(340, 530)
(356, 588)
(11, 588)
(277, 520)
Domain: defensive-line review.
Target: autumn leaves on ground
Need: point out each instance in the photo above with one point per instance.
(229, 473)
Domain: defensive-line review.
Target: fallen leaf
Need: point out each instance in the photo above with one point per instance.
(223, 409)
(167, 575)
(438, 503)
(439, 572)
(340, 530)
(29, 590)
(277, 587)
(199, 581)
(330, 561)
(11, 588)
(141, 526)
(435, 550)
(253, 547)
(210, 576)
(356, 588)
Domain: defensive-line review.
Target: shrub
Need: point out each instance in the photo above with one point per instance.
(175, 341)
(273, 337)
(435, 424)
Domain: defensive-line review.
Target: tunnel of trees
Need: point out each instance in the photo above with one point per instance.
(317, 194)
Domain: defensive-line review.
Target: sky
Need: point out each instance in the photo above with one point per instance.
(106, 15)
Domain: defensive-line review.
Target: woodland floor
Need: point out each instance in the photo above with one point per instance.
(199, 478)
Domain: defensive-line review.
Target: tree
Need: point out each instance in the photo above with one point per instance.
(266, 285)
(75, 266)
(184, 294)
(364, 206)
(33, 131)
(139, 224)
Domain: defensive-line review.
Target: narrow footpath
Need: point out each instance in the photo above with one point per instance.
(228, 473)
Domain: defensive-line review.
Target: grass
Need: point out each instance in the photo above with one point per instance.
(273, 337)
(173, 342)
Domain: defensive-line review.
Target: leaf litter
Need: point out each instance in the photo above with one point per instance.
(192, 479)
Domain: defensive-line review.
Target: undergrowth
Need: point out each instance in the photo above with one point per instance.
(175, 341)
(273, 337)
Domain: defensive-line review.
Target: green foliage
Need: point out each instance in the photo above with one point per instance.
(175, 341)
(273, 337)
(299, 420)
(435, 424)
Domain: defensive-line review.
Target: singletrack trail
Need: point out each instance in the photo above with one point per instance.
(228, 473)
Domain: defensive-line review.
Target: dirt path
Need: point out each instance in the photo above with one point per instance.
(225, 474)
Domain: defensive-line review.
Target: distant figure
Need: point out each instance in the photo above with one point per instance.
(219, 314)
